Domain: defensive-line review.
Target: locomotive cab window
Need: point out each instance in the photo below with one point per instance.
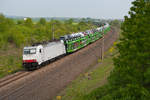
(40, 50)
(29, 51)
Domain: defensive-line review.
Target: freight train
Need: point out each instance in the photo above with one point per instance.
(37, 55)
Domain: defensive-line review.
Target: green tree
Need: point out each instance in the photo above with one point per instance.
(130, 78)
(5, 23)
(28, 22)
(20, 22)
(115, 23)
(132, 66)
(42, 21)
(70, 21)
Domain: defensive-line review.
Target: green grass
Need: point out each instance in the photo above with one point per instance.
(9, 65)
(10, 61)
(88, 81)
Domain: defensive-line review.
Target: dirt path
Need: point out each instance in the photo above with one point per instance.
(45, 83)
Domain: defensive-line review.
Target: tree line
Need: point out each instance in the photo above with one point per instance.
(26, 32)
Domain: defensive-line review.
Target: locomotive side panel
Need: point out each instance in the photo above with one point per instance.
(53, 50)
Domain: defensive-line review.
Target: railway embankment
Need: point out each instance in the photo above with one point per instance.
(45, 83)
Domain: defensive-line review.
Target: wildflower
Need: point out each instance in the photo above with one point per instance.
(111, 49)
(9, 71)
(58, 97)
(99, 60)
(115, 43)
(86, 74)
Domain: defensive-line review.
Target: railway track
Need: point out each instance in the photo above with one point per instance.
(21, 92)
(7, 80)
(18, 75)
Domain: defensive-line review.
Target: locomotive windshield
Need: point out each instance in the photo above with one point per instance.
(29, 51)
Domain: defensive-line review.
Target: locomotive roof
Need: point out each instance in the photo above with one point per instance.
(30, 47)
(52, 43)
(47, 44)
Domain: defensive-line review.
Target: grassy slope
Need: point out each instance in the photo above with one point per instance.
(93, 78)
(10, 60)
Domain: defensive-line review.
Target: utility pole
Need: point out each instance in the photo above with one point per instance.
(53, 30)
(103, 47)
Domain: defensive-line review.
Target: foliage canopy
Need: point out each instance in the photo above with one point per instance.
(130, 78)
(25, 32)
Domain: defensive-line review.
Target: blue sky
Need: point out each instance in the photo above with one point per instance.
(66, 8)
